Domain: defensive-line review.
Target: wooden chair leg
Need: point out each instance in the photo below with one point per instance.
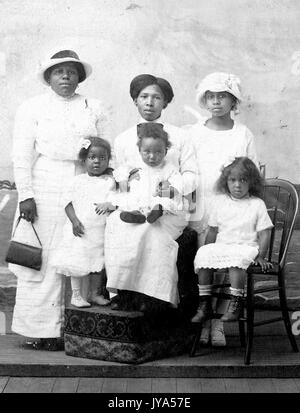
(250, 318)
(285, 312)
(196, 342)
(242, 328)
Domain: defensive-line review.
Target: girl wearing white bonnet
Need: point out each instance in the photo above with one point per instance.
(217, 140)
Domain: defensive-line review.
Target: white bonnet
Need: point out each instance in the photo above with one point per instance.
(218, 82)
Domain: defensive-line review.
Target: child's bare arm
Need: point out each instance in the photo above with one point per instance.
(211, 235)
(78, 228)
(263, 243)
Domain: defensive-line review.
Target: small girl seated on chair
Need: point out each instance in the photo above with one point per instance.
(239, 234)
(144, 202)
(81, 251)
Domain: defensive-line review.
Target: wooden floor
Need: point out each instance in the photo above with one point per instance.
(146, 385)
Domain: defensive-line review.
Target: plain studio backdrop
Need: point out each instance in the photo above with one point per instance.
(258, 40)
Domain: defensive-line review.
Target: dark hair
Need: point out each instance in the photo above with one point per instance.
(98, 142)
(248, 170)
(140, 82)
(79, 68)
(152, 130)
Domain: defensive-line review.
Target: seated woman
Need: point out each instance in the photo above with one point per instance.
(142, 258)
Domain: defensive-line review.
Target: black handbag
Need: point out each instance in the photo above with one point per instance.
(24, 254)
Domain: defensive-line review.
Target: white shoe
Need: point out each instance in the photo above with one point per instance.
(217, 333)
(78, 301)
(205, 333)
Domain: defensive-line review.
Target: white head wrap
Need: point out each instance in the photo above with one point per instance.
(218, 82)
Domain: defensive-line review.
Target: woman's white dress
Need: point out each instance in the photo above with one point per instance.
(213, 150)
(46, 135)
(238, 222)
(78, 256)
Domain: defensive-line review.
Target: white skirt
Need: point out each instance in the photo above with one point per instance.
(79, 256)
(221, 256)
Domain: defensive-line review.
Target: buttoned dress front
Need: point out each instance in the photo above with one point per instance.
(46, 144)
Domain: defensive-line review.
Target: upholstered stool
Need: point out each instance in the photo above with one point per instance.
(127, 337)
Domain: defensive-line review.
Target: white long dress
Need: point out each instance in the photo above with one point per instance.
(142, 257)
(213, 150)
(78, 256)
(238, 222)
(47, 130)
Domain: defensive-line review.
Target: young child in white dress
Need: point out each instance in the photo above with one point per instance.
(238, 235)
(217, 141)
(81, 251)
(142, 201)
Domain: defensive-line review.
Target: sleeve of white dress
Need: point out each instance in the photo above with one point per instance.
(188, 166)
(176, 180)
(103, 123)
(24, 136)
(119, 161)
(251, 149)
(263, 218)
(213, 213)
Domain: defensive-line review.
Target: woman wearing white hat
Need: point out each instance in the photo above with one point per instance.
(47, 130)
(217, 140)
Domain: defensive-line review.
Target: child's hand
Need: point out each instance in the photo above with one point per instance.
(165, 190)
(78, 228)
(265, 265)
(104, 207)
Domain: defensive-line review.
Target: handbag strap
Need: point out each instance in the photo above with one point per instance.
(18, 221)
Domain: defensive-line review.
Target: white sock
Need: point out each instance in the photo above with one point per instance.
(237, 292)
(205, 289)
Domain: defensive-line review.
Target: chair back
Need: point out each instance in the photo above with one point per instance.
(282, 201)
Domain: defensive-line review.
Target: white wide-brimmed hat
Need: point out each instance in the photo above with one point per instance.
(219, 82)
(62, 57)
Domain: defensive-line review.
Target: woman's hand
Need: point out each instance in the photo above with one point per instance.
(104, 207)
(28, 209)
(265, 265)
(166, 190)
(78, 228)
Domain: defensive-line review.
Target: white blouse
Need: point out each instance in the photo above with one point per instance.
(52, 125)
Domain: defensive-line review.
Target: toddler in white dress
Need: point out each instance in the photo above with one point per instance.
(143, 201)
(239, 234)
(81, 251)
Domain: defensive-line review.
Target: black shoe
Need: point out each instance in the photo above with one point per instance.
(34, 344)
(155, 213)
(234, 310)
(53, 344)
(48, 344)
(133, 217)
(204, 310)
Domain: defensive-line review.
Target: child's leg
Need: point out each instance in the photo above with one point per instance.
(237, 278)
(77, 299)
(204, 310)
(97, 285)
